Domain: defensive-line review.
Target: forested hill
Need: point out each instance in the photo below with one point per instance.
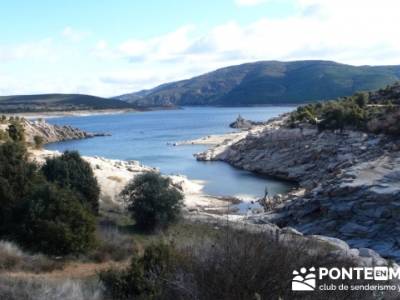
(58, 102)
(268, 82)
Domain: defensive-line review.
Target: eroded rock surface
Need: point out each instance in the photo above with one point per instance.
(54, 133)
(351, 181)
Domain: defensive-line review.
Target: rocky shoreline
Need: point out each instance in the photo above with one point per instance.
(351, 181)
(54, 133)
(113, 175)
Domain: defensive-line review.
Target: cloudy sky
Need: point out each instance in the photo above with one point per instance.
(111, 47)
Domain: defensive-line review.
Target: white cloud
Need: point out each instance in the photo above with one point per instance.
(349, 31)
(31, 50)
(165, 47)
(74, 35)
(249, 2)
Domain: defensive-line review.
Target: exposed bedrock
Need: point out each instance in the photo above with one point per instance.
(351, 181)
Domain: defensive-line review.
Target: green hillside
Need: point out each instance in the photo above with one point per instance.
(268, 82)
(58, 102)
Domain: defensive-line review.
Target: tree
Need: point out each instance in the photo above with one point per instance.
(56, 222)
(153, 201)
(71, 171)
(17, 178)
(16, 131)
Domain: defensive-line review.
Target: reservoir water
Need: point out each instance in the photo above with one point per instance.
(147, 137)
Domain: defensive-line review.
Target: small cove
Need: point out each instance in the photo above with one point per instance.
(147, 137)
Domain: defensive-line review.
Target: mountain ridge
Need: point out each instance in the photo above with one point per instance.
(268, 82)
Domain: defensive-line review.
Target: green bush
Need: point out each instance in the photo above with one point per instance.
(17, 178)
(39, 141)
(153, 201)
(71, 171)
(56, 222)
(16, 131)
(145, 277)
(38, 214)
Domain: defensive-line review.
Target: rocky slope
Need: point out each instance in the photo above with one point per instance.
(53, 133)
(351, 181)
(268, 82)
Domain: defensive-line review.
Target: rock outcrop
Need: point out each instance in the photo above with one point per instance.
(351, 181)
(54, 133)
(241, 123)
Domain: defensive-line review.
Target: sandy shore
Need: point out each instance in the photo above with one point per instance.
(75, 113)
(222, 139)
(113, 175)
(212, 140)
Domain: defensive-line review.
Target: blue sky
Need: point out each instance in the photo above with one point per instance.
(108, 47)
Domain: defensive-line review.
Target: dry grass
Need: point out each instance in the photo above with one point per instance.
(12, 258)
(32, 289)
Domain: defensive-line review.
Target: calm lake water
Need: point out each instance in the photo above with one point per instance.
(146, 137)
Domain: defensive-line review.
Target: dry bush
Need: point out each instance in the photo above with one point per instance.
(12, 258)
(113, 245)
(233, 264)
(243, 265)
(40, 289)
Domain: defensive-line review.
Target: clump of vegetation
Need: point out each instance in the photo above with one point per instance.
(112, 244)
(56, 222)
(40, 215)
(72, 172)
(12, 258)
(17, 179)
(16, 131)
(31, 288)
(228, 264)
(143, 279)
(370, 112)
(3, 135)
(38, 141)
(153, 201)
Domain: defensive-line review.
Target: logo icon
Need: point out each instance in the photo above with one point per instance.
(304, 280)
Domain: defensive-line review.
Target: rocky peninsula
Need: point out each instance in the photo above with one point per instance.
(349, 181)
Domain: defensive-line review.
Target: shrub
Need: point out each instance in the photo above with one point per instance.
(112, 245)
(16, 131)
(56, 222)
(3, 135)
(17, 178)
(13, 258)
(233, 264)
(153, 201)
(144, 277)
(71, 171)
(39, 141)
(31, 288)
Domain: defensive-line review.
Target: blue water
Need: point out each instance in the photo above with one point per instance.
(146, 137)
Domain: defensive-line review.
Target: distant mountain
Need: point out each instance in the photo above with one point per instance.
(58, 102)
(268, 82)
